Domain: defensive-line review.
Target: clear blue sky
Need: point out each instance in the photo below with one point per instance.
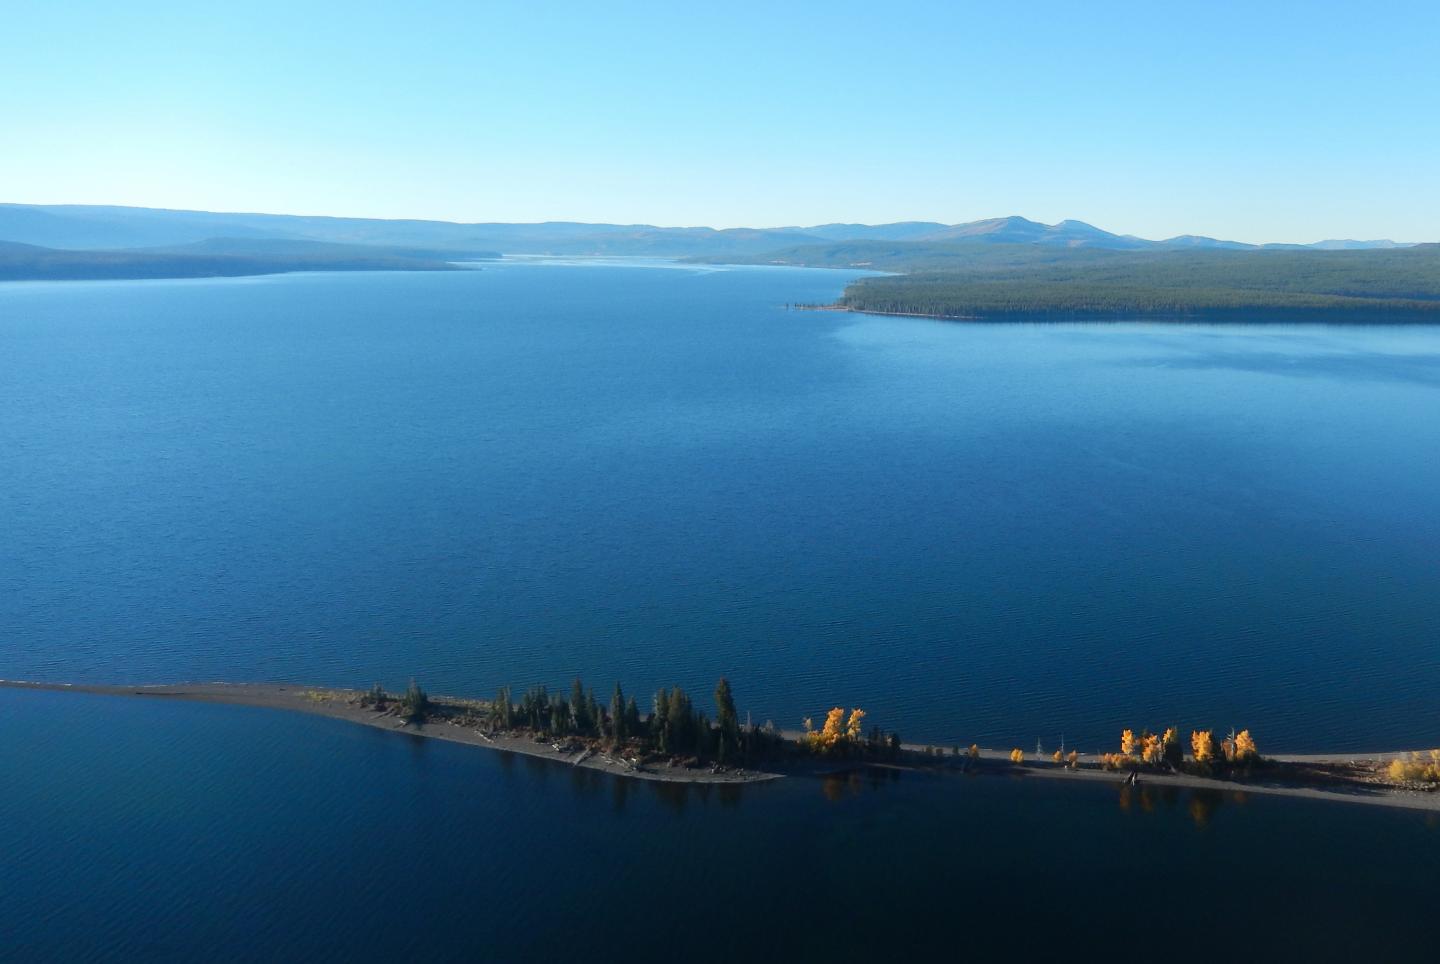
(1259, 121)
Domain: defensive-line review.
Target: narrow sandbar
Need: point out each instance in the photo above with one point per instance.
(1335, 777)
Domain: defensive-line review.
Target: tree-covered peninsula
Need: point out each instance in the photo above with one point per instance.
(1398, 285)
(219, 258)
(973, 280)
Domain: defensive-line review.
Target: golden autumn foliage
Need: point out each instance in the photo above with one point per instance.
(1202, 745)
(853, 729)
(1116, 761)
(836, 734)
(974, 751)
(1245, 749)
(1152, 751)
(1017, 755)
(1058, 757)
(1073, 760)
(1418, 768)
(1239, 748)
(1127, 743)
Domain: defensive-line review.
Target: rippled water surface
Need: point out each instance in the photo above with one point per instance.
(156, 830)
(977, 532)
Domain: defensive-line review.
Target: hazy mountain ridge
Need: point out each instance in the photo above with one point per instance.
(109, 227)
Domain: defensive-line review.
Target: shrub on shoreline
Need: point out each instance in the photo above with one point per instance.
(1418, 768)
(375, 696)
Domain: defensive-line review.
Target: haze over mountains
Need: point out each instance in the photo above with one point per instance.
(88, 227)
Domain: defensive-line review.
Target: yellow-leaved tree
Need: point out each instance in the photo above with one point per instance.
(829, 734)
(1245, 749)
(1417, 769)
(854, 728)
(1017, 755)
(836, 735)
(1153, 751)
(1127, 742)
(1202, 745)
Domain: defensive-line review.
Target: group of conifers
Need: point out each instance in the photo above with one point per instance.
(675, 727)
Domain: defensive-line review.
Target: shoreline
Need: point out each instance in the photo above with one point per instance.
(340, 704)
(1213, 316)
(336, 705)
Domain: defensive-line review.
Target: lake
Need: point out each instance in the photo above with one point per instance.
(152, 830)
(659, 474)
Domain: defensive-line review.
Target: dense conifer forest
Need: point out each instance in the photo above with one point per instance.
(1376, 285)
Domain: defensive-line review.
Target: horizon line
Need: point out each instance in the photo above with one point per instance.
(690, 227)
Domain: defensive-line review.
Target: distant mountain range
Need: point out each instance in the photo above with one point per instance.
(1068, 234)
(80, 227)
(998, 268)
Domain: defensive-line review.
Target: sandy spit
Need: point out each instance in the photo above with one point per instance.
(337, 704)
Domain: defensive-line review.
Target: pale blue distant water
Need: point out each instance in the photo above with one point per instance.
(658, 473)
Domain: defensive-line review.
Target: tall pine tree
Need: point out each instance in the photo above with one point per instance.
(728, 722)
(660, 721)
(617, 715)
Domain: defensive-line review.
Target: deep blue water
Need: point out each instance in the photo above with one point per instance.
(977, 532)
(152, 830)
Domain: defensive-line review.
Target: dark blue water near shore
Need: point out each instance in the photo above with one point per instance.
(995, 533)
(140, 830)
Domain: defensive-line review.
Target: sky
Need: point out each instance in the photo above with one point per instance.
(1271, 121)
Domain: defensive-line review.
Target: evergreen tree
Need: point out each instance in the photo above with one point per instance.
(559, 716)
(501, 711)
(592, 713)
(704, 736)
(415, 705)
(535, 709)
(681, 727)
(617, 715)
(728, 743)
(632, 717)
(578, 708)
(660, 721)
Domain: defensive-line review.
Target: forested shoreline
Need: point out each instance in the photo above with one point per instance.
(677, 742)
(1386, 286)
(218, 258)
